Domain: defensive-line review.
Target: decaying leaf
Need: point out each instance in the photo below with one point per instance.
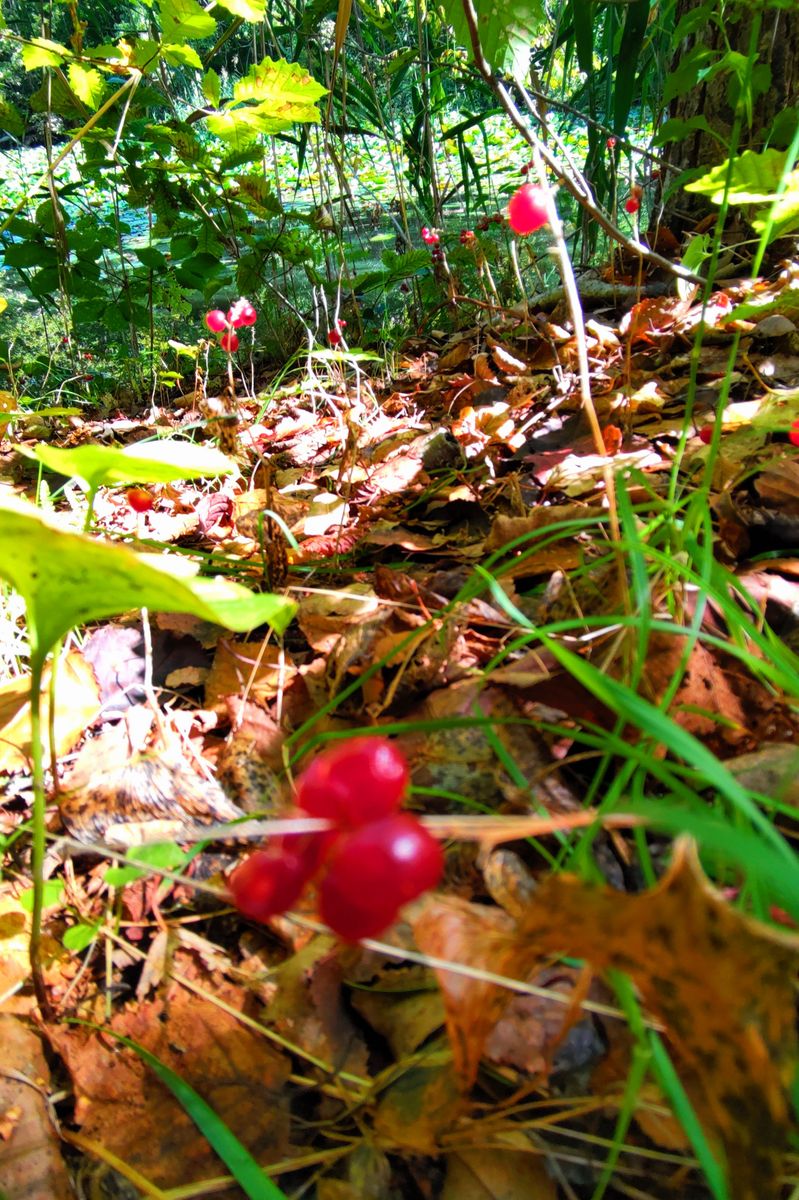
(31, 1165)
(122, 1105)
(720, 983)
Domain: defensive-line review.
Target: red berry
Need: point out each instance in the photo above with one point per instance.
(340, 323)
(242, 313)
(229, 342)
(139, 499)
(527, 210)
(334, 337)
(525, 168)
(267, 883)
(793, 434)
(705, 434)
(429, 236)
(358, 781)
(216, 320)
(611, 143)
(632, 205)
(466, 237)
(373, 871)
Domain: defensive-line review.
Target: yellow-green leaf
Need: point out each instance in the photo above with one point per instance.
(41, 52)
(87, 84)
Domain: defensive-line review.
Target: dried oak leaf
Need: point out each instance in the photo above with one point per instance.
(719, 982)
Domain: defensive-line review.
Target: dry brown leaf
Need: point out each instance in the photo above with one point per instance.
(720, 983)
(31, 1166)
(258, 669)
(77, 705)
(122, 1105)
(424, 1102)
(488, 1174)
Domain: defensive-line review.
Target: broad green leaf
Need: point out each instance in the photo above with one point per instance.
(41, 52)
(11, 119)
(507, 29)
(150, 257)
(182, 56)
(212, 87)
(248, 10)
(239, 127)
(185, 21)
(676, 129)
(67, 579)
(145, 462)
(167, 855)
(754, 178)
(87, 84)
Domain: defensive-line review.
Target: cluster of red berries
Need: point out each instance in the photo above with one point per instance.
(335, 336)
(527, 209)
(430, 237)
(239, 314)
(371, 862)
(484, 222)
(467, 237)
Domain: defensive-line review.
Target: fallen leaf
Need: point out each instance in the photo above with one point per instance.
(77, 705)
(489, 1174)
(122, 1105)
(31, 1165)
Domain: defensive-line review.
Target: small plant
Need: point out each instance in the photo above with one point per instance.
(527, 209)
(375, 858)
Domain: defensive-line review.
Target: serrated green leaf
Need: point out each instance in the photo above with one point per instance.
(507, 29)
(87, 84)
(256, 193)
(41, 52)
(185, 21)
(182, 56)
(212, 87)
(67, 579)
(281, 85)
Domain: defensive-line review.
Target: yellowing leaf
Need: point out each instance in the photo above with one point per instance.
(77, 704)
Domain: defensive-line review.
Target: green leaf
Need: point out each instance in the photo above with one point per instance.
(281, 88)
(182, 56)
(754, 178)
(52, 892)
(200, 271)
(676, 129)
(67, 579)
(87, 84)
(78, 937)
(11, 120)
(507, 29)
(150, 257)
(41, 52)
(28, 254)
(164, 855)
(143, 462)
(212, 87)
(248, 10)
(256, 193)
(185, 21)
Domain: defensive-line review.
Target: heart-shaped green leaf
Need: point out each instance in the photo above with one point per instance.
(67, 579)
(143, 462)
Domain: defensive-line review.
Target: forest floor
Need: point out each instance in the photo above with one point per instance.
(582, 655)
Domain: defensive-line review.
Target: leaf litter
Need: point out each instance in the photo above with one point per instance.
(478, 1049)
